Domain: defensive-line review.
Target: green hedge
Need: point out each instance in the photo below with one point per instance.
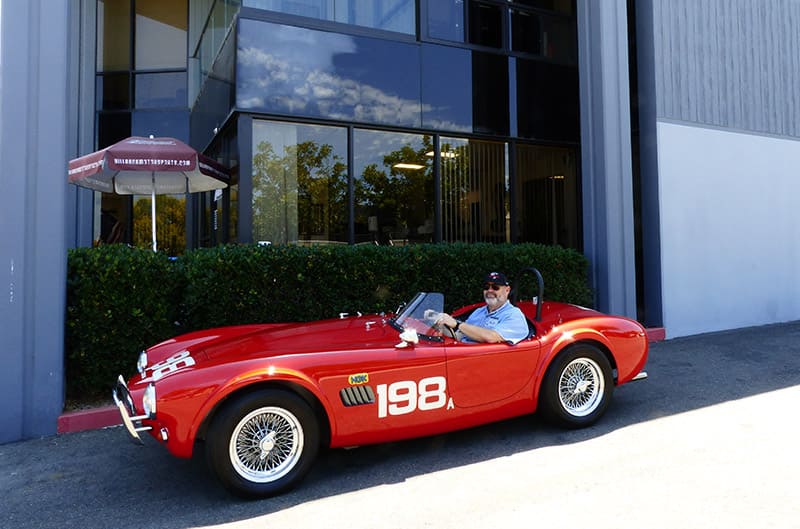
(121, 300)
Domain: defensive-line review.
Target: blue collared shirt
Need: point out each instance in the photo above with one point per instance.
(508, 321)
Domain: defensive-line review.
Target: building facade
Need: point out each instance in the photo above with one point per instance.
(623, 129)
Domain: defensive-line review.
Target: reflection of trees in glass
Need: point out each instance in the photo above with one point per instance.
(400, 200)
(170, 224)
(301, 194)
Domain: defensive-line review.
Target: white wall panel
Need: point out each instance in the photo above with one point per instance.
(730, 228)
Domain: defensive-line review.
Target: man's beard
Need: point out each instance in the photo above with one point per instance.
(492, 302)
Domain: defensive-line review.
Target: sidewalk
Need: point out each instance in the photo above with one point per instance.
(95, 418)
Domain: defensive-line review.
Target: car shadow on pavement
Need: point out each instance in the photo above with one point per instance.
(99, 479)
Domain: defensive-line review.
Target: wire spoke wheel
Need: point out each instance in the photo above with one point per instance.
(577, 386)
(263, 442)
(581, 386)
(266, 444)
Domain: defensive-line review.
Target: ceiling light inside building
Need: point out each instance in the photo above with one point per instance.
(444, 154)
(414, 166)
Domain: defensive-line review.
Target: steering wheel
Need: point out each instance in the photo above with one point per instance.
(432, 316)
(448, 330)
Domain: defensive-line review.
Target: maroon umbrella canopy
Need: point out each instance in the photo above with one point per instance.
(148, 166)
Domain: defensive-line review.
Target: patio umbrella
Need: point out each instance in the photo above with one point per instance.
(148, 166)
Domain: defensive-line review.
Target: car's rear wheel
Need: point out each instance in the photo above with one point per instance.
(263, 443)
(577, 387)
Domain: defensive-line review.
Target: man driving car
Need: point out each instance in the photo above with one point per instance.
(497, 321)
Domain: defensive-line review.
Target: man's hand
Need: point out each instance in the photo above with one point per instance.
(446, 319)
(473, 332)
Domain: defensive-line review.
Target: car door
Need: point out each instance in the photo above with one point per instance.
(387, 393)
(480, 374)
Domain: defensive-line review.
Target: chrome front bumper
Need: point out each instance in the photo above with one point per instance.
(124, 402)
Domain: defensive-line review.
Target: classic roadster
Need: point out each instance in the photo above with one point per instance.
(266, 398)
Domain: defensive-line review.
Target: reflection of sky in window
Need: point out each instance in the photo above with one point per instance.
(290, 70)
(371, 146)
(285, 135)
(447, 88)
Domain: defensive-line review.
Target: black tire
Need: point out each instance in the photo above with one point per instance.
(263, 443)
(577, 387)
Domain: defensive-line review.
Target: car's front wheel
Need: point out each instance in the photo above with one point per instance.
(262, 443)
(577, 387)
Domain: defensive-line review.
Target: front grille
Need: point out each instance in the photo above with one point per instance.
(357, 395)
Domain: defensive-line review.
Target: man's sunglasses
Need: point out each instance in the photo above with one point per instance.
(492, 286)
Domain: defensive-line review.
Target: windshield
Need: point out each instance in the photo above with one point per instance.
(420, 314)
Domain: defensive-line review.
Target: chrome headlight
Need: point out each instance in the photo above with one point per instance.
(149, 401)
(141, 363)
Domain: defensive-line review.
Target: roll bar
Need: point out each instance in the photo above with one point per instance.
(539, 299)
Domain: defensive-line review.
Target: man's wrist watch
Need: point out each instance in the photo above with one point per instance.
(458, 324)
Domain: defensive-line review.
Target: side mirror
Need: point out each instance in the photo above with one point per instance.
(409, 337)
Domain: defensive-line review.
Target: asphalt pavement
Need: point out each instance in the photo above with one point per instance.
(708, 440)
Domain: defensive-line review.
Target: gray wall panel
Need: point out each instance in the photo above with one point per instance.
(33, 164)
(606, 154)
(729, 63)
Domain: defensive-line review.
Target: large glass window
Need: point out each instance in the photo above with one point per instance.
(547, 101)
(208, 32)
(301, 72)
(548, 195)
(545, 28)
(486, 24)
(219, 209)
(170, 223)
(550, 36)
(300, 186)
(475, 205)
(446, 20)
(559, 39)
(490, 109)
(113, 35)
(559, 6)
(112, 127)
(172, 123)
(130, 101)
(113, 91)
(394, 187)
(160, 90)
(526, 32)
(389, 15)
(160, 34)
(447, 88)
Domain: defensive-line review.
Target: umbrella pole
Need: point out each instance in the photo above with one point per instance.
(153, 214)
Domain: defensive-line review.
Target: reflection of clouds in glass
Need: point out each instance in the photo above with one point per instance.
(447, 87)
(447, 125)
(294, 45)
(324, 74)
(283, 86)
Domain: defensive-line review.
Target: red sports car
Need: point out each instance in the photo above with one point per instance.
(266, 398)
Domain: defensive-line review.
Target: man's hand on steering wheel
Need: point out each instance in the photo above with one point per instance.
(448, 323)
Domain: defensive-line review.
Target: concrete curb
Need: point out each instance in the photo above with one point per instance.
(91, 419)
(96, 418)
(656, 334)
